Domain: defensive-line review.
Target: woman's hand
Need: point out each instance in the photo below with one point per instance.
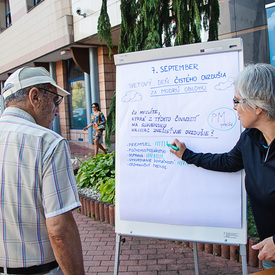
(267, 249)
(86, 128)
(180, 145)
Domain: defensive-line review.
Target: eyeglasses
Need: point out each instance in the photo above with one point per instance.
(57, 99)
(93, 106)
(236, 101)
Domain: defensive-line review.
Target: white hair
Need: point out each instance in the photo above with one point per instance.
(21, 94)
(256, 86)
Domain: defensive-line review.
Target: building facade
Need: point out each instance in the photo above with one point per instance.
(54, 34)
(61, 35)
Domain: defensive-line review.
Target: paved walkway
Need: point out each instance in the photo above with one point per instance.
(80, 150)
(144, 256)
(141, 256)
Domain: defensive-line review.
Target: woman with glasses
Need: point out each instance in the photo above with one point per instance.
(98, 122)
(254, 102)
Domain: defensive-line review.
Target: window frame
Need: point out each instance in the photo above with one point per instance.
(33, 4)
(74, 74)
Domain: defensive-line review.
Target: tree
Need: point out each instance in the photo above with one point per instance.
(148, 24)
(104, 26)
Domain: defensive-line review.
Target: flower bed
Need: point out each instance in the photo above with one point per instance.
(97, 210)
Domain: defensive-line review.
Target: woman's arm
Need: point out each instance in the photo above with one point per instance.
(102, 120)
(88, 126)
(226, 162)
(93, 120)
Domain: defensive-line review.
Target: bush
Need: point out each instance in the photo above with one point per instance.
(251, 226)
(96, 171)
(107, 191)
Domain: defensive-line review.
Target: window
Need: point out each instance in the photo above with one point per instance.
(77, 100)
(8, 13)
(5, 15)
(32, 3)
(78, 115)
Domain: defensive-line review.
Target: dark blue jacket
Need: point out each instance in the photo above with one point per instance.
(258, 160)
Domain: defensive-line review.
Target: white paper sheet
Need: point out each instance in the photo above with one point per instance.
(182, 98)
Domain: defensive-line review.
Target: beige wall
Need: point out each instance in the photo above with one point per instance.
(85, 27)
(43, 29)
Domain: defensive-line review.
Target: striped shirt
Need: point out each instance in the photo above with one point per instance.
(36, 182)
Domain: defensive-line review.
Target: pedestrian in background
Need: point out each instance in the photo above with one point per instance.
(38, 233)
(254, 102)
(98, 123)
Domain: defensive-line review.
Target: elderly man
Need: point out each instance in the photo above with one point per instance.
(38, 233)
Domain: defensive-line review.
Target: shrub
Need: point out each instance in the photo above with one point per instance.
(107, 191)
(96, 171)
(251, 226)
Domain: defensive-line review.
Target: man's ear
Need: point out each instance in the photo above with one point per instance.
(34, 97)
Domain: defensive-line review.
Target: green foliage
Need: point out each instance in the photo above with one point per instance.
(129, 13)
(212, 13)
(251, 226)
(144, 25)
(188, 21)
(96, 171)
(107, 191)
(111, 123)
(188, 17)
(104, 27)
(149, 24)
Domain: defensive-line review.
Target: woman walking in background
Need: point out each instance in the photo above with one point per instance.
(98, 122)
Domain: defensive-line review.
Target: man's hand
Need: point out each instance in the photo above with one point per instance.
(267, 249)
(181, 147)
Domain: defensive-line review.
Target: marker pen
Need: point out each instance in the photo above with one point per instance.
(173, 147)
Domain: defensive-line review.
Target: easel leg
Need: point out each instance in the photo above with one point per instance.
(118, 242)
(196, 258)
(244, 262)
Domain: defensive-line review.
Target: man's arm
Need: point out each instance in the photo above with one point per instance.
(66, 244)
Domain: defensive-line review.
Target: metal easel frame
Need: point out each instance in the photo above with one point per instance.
(119, 240)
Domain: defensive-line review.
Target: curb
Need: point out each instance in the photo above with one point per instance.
(97, 210)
